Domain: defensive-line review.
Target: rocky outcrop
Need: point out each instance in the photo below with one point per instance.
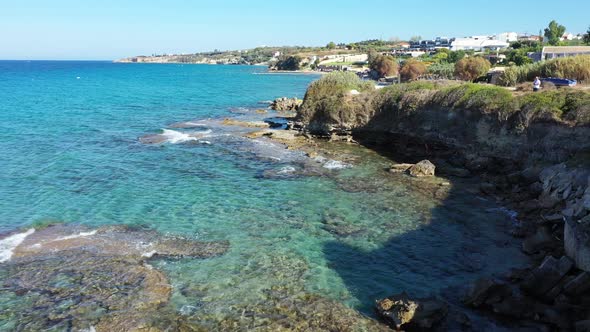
(421, 169)
(79, 279)
(286, 104)
(419, 314)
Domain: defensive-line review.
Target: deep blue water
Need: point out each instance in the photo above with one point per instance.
(70, 152)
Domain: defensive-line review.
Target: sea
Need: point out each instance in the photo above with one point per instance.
(71, 152)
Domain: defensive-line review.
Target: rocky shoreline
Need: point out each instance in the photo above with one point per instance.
(534, 166)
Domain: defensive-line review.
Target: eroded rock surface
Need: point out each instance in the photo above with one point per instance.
(71, 277)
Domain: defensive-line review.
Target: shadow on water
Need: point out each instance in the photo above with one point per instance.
(462, 238)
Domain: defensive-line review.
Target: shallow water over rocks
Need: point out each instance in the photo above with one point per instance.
(305, 252)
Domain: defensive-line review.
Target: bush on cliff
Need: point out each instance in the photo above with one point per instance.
(469, 69)
(577, 107)
(327, 97)
(477, 97)
(412, 69)
(546, 105)
(384, 65)
(442, 70)
(329, 105)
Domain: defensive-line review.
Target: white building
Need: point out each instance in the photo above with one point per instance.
(507, 37)
(478, 43)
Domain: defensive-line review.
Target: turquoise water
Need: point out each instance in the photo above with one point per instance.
(69, 141)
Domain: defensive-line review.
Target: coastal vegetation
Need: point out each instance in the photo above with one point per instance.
(328, 100)
(577, 68)
(471, 68)
(289, 63)
(412, 69)
(384, 65)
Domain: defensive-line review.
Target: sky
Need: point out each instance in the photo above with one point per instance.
(112, 29)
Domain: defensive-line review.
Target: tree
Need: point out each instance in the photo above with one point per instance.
(384, 65)
(289, 63)
(371, 55)
(416, 38)
(455, 56)
(586, 37)
(331, 45)
(471, 68)
(554, 32)
(412, 69)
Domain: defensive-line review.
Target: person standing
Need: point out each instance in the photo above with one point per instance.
(536, 84)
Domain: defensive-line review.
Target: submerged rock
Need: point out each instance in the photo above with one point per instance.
(72, 278)
(400, 168)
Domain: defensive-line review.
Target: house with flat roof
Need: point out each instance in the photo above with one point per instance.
(553, 52)
(478, 43)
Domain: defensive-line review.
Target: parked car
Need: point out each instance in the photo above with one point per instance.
(559, 81)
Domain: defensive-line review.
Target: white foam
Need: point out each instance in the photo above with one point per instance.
(174, 137)
(287, 170)
(195, 124)
(336, 164)
(75, 236)
(10, 243)
(149, 254)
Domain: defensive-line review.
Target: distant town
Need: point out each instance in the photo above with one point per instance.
(427, 58)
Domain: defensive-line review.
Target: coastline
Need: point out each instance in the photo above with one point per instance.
(534, 166)
(324, 159)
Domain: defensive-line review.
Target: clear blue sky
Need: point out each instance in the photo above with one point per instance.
(109, 29)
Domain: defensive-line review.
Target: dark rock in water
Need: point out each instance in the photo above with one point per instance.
(579, 285)
(486, 291)
(541, 240)
(423, 168)
(402, 312)
(582, 326)
(286, 104)
(547, 275)
(338, 226)
(487, 188)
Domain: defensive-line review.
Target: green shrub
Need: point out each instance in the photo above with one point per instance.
(384, 65)
(545, 105)
(477, 97)
(577, 107)
(289, 63)
(326, 94)
(442, 70)
(577, 68)
(412, 69)
(469, 69)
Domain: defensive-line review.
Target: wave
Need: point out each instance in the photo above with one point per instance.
(174, 137)
(336, 164)
(74, 236)
(8, 244)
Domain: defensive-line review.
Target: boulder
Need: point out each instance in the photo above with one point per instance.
(579, 285)
(486, 291)
(402, 312)
(423, 168)
(577, 243)
(542, 279)
(582, 326)
(540, 240)
(286, 104)
(400, 168)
